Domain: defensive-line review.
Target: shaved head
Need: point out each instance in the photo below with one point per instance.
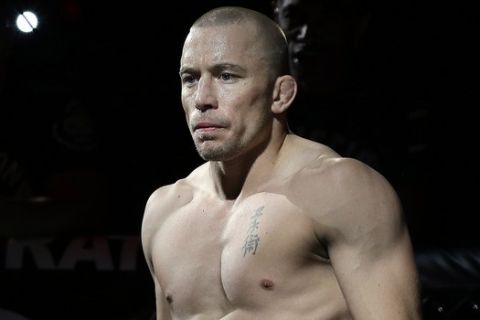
(268, 33)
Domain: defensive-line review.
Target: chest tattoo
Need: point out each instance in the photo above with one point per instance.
(252, 239)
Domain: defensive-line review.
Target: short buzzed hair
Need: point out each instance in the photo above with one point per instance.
(272, 36)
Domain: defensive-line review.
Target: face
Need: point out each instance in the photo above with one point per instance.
(321, 35)
(226, 90)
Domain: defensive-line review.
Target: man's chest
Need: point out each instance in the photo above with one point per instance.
(231, 252)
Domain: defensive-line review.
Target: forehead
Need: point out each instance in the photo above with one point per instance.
(220, 43)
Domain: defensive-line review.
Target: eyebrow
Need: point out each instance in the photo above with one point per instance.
(186, 70)
(216, 68)
(229, 66)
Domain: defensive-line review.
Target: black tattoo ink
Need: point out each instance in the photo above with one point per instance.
(252, 239)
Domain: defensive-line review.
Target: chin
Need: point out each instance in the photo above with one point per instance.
(215, 153)
(213, 156)
(211, 153)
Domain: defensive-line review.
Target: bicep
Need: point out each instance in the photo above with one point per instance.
(371, 251)
(161, 303)
(162, 309)
(150, 224)
(378, 284)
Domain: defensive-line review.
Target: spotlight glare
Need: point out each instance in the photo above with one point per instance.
(27, 21)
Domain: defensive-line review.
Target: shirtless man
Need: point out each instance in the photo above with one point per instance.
(272, 226)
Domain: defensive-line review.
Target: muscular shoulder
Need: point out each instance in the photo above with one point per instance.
(164, 202)
(161, 203)
(346, 196)
(167, 199)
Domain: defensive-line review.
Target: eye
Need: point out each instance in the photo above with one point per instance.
(187, 79)
(225, 76)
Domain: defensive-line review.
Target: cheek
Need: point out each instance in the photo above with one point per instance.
(244, 96)
(186, 103)
(244, 103)
(186, 109)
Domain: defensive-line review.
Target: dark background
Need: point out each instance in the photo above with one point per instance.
(91, 124)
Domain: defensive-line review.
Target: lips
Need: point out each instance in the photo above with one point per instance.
(206, 125)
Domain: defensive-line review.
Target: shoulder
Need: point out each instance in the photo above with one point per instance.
(345, 195)
(160, 204)
(164, 202)
(358, 181)
(338, 177)
(167, 199)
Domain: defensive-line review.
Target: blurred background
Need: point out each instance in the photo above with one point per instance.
(91, 124)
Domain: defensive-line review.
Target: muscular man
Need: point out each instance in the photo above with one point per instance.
(272, 226)
(325, 39)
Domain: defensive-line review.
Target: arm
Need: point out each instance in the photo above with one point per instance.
(150, 224)
(161, 305)
(370, 249)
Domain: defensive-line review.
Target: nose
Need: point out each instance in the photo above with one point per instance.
(205, 97)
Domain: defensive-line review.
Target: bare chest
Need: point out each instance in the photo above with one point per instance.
(207, 254)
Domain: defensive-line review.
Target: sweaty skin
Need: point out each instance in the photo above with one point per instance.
(272, 226)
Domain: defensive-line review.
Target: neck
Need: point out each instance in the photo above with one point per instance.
(248, 171)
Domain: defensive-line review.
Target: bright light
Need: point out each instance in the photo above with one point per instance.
(27, 21)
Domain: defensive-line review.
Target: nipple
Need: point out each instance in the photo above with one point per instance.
(169, 299)
(266, 284)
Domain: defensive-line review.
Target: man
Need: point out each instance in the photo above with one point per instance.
(325, 39)
(272, 226)
(335, 58)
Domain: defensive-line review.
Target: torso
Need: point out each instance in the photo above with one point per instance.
(258, 258)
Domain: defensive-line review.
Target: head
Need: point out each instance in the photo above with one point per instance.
(323, 36)
(235, 83)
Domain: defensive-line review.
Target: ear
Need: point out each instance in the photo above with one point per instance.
(284, 91)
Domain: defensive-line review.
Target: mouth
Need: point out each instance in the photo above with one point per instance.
(206, 126)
